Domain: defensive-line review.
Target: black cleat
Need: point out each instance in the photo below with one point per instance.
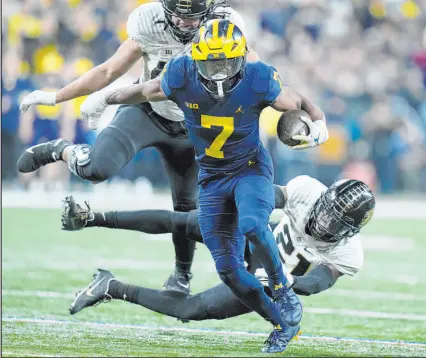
(95, 293)
(290, 305)
(41, 154)
(74, 217)
(178, 281)
(279, 339)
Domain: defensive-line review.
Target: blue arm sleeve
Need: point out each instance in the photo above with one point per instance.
(173, 76)
(267, 82)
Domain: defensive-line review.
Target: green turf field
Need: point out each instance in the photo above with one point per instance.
(43, 267)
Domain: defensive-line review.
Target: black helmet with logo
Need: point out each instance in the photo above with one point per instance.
(191, 9)
(341, 211)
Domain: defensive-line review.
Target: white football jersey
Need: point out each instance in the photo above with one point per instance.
(146, 26)
(299, 252)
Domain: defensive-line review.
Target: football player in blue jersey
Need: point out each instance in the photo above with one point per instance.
(222, 97)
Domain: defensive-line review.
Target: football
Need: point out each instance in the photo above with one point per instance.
(290, 125)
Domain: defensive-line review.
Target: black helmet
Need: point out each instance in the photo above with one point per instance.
(219, 51)
(341, 211)
(194, 9)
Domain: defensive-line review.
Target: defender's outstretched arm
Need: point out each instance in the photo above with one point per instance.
(142, 92)
(94, 80)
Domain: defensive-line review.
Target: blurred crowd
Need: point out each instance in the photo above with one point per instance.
(363, 62)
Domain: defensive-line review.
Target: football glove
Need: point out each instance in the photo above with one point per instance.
(318, 134)
(93, 108)
(262, 276)
(36, 98)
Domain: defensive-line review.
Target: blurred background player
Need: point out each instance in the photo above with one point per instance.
(317, 238)
(157, 32)
(45, 122)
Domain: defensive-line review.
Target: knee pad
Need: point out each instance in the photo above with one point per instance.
(242, 283)
(251, 225)
(80, 157)
(227, 264)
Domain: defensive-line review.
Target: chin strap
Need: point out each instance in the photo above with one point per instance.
(220, 88)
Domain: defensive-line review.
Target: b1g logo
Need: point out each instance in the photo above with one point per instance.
(192, 105)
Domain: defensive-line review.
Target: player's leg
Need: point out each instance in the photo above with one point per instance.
(216, 303)
(130, 130)
(75, 217)
(218, 224)
(254, 197)
(179, 160)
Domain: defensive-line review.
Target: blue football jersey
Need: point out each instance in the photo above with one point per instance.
(225, 134)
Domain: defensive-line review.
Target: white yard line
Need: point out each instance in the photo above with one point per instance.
(375, 295)
(313, 310)
(367, 314)
(332, 292)
(124, 198)
(193, 330)
(14, 354)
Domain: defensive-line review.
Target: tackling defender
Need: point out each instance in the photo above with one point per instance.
(222, 97)
(157, 32)
(317, 238)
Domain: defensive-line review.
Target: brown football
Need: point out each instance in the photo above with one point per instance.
(290, 125)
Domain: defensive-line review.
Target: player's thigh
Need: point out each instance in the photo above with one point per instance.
(182, 169)
(218, 224)
(137, 127)
(254, 198)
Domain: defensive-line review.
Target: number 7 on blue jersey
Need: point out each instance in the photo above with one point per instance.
(228, 128)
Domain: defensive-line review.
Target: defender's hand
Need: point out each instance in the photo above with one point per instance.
(93, 108)
(318, 134)
(38, 98)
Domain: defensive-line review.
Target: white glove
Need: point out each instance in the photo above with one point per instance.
(262, 276)
(36, 98)
(93, 108)
(318, 134)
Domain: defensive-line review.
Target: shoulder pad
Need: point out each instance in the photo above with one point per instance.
(140, 20)
(262, 75)
(177, 70)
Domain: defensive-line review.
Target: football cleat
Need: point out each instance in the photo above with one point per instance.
(290, 305)
(178, 281)
(279, 339)
(95, 293)
(74, 217)
(41, 154)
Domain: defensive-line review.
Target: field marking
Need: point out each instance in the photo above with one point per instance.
(313, 310)
(195, 330)
(333, 292)
(14, 354)
(367, 314)
(396, 207)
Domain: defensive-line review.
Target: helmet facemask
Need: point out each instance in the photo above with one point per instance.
(221, 76)
(341, 211)
(183, 9)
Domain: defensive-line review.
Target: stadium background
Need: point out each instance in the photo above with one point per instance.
(363, 62)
